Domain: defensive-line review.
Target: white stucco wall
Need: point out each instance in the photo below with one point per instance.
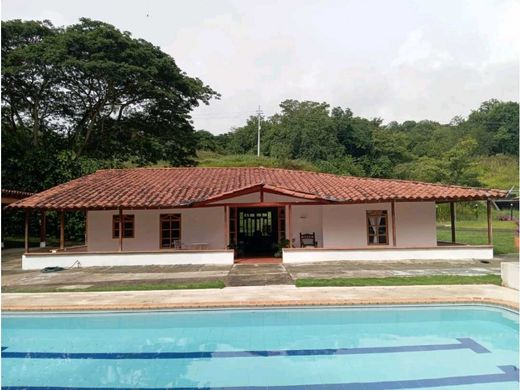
(345, 226)
(71, 259)
(388, 254)
(307, 219)
(416, 224)
(202, 225)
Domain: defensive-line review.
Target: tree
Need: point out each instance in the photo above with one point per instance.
(98, 87)
(495, 127)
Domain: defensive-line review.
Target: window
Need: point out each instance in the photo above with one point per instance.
(377, 225)
(170, 231)
(128, 226)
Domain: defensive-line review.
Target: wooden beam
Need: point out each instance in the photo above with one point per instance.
(489, 223)
(43, 228)
(393, 224)
(452, 219)
(289, 225)
(226, 226)
(86, 227)
(26, 241)
(262, 195)
(121, 226)
(62, 230)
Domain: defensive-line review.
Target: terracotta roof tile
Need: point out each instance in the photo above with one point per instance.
(16, 193)
(174, 187)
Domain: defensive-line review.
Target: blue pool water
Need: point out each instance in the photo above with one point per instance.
(460, 347)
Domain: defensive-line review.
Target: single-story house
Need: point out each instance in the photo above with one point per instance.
(147, 216)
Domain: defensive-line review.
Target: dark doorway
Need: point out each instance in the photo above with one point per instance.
(257, 231)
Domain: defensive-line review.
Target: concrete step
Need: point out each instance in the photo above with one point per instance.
(258, 275)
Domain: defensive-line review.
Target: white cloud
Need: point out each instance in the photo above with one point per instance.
(399, 59)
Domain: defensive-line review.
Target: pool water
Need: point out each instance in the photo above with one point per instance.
(450, 346)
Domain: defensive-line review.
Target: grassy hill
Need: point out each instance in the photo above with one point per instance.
(210, 159)
(498, 171)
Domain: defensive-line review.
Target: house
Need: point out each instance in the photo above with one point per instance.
(148, 216)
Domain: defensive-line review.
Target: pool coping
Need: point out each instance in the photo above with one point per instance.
(261, 296)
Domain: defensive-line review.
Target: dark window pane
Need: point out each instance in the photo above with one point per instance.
(382, 239)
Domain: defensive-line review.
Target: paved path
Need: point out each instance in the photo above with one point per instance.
(260, 296)
(13, 277)
(258, 275)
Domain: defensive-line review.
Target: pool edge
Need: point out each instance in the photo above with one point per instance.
(332, 296)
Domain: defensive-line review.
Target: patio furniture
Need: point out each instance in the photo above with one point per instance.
(308, 239)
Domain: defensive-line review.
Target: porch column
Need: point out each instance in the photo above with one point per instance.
(43, 228)
(452, 218)
(121, 225)
(226, 226)
(289, 225)
(62, 230)
(393, 224)
(26, 242)
(85, 213)
(489, 223)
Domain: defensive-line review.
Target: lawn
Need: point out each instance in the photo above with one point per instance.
(475, 232)
(400, 281)
(122, 287)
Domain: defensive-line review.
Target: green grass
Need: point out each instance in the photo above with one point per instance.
(498, 171)
(400, 281)
(209, 159)
(34, 242)
(475, 232)
(123, 287)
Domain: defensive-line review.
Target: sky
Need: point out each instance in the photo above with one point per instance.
(392, 59)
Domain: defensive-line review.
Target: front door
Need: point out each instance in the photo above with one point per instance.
(257, 231)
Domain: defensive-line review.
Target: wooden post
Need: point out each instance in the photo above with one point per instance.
(62, 230)
(393, 224)
(43, 230)
(26, 243)
(452, 219)
(289, 225)
(226, 226)
(121, 226)
(489, 224)
(85, 213)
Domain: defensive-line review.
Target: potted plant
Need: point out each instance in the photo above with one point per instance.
(279, 247)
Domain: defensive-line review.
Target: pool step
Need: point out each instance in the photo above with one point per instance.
(258, 275)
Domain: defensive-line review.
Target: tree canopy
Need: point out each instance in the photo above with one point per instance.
(91, 91)
(337, 141)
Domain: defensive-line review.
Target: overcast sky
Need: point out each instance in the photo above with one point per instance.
(393, 59)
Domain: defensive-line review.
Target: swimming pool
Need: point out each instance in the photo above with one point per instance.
(399, 347)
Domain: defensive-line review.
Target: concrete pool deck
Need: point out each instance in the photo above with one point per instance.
(256, 296)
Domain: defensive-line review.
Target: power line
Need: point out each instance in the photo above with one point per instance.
(259, 118)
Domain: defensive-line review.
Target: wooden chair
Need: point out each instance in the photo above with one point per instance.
(308, 239)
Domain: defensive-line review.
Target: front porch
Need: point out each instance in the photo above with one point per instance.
(259, 226)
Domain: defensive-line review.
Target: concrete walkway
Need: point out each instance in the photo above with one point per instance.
(15, 279)
(260, 296)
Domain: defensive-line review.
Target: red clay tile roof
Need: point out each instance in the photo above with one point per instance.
(16, 194)
(176, 187)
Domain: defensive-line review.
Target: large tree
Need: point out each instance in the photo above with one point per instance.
(107, 94)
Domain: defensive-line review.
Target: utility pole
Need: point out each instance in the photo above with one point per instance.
(259, 117)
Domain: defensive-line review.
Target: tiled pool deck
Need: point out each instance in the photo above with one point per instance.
(253, 296)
